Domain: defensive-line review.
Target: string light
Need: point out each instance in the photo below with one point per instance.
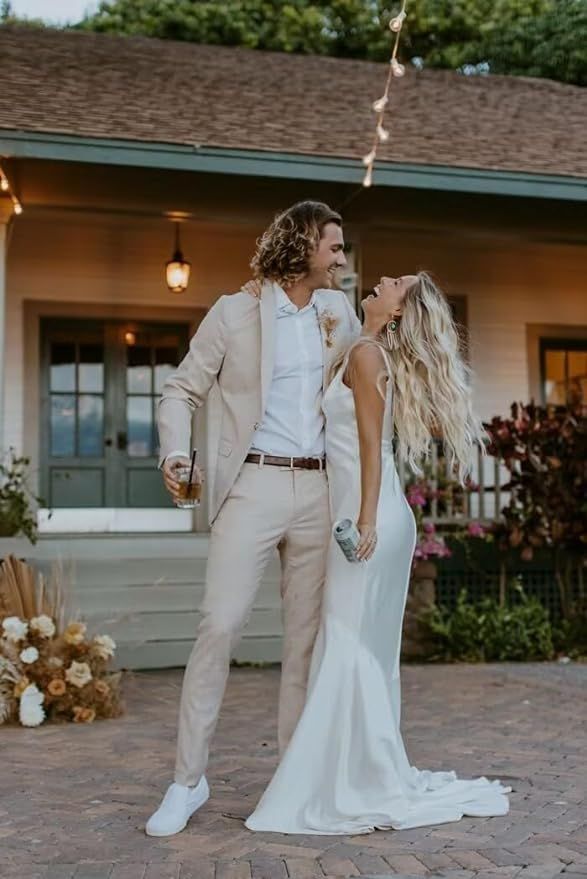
(396, 70)
(5, 187)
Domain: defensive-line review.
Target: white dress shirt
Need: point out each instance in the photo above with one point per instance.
(293, 423)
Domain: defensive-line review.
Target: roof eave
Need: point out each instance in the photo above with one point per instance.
(291, 166)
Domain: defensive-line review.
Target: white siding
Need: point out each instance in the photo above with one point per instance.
(508, 286)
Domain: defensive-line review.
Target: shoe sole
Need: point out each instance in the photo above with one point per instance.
(184, 825)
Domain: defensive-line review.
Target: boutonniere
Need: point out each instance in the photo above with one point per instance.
(328, 324)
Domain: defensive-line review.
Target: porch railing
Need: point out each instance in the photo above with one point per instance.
(460, 507)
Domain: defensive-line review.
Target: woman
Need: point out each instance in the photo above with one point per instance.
(345, 769)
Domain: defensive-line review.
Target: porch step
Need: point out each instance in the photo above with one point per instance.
(145, 591)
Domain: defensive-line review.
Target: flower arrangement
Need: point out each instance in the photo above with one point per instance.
(50, 671)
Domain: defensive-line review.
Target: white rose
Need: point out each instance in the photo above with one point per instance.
(31, 711)
(79, 674)
(31, 654)
(14, 629)
(44, 625)
(105, 646)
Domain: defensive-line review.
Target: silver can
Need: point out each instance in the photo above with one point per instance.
(347, 536)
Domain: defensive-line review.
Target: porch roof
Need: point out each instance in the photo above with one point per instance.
(160, 103)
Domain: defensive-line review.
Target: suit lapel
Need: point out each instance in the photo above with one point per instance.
(267, 309)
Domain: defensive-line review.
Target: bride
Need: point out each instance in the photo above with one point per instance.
(346, 769)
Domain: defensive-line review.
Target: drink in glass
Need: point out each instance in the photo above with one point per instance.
(190, 493)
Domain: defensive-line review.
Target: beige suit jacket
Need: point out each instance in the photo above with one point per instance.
(234, 345)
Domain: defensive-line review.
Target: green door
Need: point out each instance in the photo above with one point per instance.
(101, 381)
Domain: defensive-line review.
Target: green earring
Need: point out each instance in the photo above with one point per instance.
(390, 331)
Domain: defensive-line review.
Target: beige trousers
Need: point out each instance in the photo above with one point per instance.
(268, 508)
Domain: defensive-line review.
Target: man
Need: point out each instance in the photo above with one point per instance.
(270, 354)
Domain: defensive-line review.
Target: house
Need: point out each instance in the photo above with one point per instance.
(105, 141)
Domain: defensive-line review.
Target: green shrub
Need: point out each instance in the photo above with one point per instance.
(484, 631)
(570, 634)
(16, 499)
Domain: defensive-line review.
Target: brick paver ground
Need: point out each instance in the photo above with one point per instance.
(74, 799)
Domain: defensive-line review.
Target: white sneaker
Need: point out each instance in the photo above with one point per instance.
(179, 803)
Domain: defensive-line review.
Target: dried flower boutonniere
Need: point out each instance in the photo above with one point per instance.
(328, 324)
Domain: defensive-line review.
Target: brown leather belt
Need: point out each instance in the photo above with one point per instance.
(290, 463)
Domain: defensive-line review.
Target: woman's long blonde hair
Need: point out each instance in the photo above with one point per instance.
(431, 381)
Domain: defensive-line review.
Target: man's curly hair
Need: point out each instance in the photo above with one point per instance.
(284, 249)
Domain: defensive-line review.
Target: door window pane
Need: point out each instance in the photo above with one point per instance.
(90, 425)
(139, 426)
(91, 368)
(62, 425)
(138, 370)
(62, 367)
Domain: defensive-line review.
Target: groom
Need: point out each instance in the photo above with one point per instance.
(270, 354)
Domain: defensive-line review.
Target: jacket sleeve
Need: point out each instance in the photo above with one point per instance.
(354, 322)
(187, 388)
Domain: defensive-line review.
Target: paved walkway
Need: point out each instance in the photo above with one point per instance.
(74, 800)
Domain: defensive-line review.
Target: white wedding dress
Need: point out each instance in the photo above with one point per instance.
(345, 769)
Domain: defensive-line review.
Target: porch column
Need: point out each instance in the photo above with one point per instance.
(5, 213)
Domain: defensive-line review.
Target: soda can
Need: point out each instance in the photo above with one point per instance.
(347, 536)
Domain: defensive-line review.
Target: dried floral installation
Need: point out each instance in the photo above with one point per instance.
(50, 669)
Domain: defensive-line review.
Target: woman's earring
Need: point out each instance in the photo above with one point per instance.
(391, 329)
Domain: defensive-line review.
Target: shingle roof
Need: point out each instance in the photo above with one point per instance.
(95, 85)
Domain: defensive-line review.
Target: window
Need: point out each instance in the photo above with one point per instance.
(563, 371)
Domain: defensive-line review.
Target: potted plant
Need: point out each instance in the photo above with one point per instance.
(18, 523)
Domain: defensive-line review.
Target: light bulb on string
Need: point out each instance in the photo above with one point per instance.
(17, 206)
(368, 179)
(395, 25)
(4, 184)
(382, 133)
(396, 68)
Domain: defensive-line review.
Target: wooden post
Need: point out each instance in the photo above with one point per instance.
(4, 218)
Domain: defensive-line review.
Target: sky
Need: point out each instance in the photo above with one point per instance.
(54, 11)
